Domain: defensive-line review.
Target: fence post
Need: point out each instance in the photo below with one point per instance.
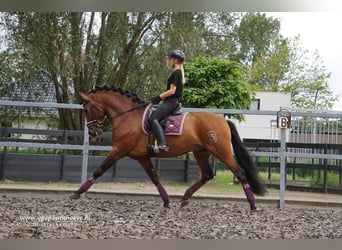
(85, 153)
(282, 168)
(4, 156)
(325, 182)
(64, 155)
(283, 122)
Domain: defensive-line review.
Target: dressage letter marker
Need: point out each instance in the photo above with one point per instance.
(283, 122)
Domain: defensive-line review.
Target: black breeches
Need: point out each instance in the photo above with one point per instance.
(163, 110)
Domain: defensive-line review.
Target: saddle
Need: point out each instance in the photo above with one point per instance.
(172, 125)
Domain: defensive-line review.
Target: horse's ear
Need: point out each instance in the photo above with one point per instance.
(84, 97)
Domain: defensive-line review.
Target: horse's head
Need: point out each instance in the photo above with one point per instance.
(94, 114)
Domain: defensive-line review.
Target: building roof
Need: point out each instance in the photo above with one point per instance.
(34, 92)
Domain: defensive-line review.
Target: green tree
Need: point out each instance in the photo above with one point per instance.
(307, 79)
(216, 83)
(75, 54)
(263, 51)
(80, 50)
(72, 52)
(196, 33)
(275, 63)
(6, 89)
(255, 37)
(267, 73)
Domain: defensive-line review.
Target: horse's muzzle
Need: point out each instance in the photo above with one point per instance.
(95, 128)
(95, 132)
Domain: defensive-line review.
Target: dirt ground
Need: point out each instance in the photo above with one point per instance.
(33, 214)
(172, 189)
(91, 218)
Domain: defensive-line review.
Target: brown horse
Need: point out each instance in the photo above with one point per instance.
(204, 134)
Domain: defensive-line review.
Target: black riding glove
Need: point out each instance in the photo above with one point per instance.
(156, 99)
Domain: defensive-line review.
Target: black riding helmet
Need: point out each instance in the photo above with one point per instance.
(177, 54)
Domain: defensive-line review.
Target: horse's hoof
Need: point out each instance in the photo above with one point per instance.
(254, 208)
(166, 204)
(184, 203)
(75, 196)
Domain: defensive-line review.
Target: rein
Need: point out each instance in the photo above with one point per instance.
(130, 110)
(100, 124)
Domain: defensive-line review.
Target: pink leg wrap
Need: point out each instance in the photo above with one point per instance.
(87, 184)
(162, 192)
(249, 193)
(191, 190)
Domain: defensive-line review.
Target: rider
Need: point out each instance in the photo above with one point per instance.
(170, 97)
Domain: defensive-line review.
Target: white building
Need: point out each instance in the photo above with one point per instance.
(263, 126)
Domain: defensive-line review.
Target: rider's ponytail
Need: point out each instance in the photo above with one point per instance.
(183, 76)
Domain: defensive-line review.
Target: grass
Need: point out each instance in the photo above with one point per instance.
(332, 179)
(20, 150)
(223, 183)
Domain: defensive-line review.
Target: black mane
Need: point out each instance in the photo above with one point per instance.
(134, 97)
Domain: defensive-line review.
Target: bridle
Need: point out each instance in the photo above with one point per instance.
(100, 124)
(95, 122)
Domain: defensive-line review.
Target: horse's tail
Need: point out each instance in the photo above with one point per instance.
(246, 162)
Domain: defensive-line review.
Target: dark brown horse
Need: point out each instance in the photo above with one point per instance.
(204, 134)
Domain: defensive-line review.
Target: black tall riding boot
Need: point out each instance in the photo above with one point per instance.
(159, 134)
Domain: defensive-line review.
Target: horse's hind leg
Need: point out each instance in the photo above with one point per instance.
(202, 158)
(148, 166)
(240, 174)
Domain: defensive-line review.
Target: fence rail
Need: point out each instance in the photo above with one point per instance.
(87, 146)
(320, 157)
(18, 166)
(64, 166)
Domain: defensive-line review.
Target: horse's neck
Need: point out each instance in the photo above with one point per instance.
(116, 107)
(115, 111)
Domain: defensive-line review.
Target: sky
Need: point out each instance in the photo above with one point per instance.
(319, 31)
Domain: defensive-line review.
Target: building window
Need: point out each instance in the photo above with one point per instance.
(255, 104)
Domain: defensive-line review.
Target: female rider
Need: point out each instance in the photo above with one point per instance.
(170, 97)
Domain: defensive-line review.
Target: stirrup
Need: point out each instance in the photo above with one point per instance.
(158, 148)
(163, 148)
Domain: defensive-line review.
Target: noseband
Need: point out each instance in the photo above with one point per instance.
(95, 122)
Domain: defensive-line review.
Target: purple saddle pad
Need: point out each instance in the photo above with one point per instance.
(173, 124)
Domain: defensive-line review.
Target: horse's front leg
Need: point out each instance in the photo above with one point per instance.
(112, 157)
(150, 170)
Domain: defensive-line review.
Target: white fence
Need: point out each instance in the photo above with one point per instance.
(297, 115)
